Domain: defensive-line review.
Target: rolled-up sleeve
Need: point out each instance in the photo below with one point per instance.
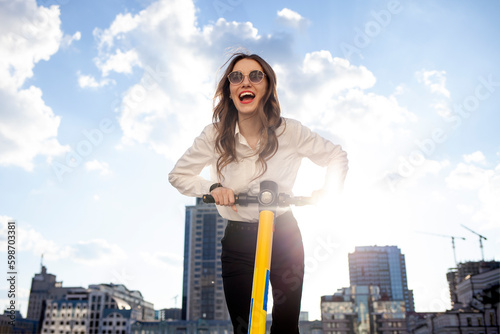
(185, 176)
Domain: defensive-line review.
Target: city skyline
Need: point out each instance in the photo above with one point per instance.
(208, 211)
(99, 100)
(367, 305)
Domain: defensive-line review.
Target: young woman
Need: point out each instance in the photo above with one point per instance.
(247, 143)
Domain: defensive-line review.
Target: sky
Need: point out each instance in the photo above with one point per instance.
(98, 99)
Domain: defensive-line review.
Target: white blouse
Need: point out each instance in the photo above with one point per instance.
(295, 142)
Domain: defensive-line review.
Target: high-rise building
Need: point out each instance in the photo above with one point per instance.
(43, 287)
(202, 292)
(382, 266)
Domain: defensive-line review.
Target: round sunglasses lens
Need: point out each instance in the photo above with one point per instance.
(235, 77)
(256, 76)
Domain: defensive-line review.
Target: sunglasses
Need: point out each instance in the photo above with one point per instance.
(237, 77)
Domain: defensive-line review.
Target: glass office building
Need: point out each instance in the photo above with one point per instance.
(382, 266)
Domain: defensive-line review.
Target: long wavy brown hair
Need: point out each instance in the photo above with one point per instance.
(225, 117)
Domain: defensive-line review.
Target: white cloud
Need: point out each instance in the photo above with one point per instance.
(330, 95)
(442, 108)
(477, 157)
(430, 167)
(32, 241)
(173, 100)
(321, 76)
(435, 80)
(68, 40)
(123, 23)
(91, 252)
(28, 34)
(101, 167)
(28, 129)
(120, 62)
(466, 176)
(483, 184)
(291, 18)
(88, 81)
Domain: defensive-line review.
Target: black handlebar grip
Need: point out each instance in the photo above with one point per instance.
(208, 199)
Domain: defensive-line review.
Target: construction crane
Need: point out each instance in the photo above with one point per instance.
(452, 242)
(480, 240)
(175, 300)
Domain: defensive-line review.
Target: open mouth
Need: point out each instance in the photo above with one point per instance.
(246, 97)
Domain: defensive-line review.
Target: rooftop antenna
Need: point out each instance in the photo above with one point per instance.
(452, 242)
(41, 263)
(480, 240)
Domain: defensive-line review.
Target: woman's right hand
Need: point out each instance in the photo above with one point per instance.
(224, 197)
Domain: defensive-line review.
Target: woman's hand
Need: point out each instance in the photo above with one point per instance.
(224, 196)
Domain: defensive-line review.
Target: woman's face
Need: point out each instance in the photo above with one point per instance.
(247, 95)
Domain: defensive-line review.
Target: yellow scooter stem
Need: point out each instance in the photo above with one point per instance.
(260, 287)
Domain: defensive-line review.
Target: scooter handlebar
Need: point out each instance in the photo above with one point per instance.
(283, 200)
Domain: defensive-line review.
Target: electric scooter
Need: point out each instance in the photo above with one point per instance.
(268, 200)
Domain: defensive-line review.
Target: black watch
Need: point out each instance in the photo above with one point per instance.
(215, 185)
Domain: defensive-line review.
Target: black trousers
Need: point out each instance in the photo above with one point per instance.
(286, 276)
